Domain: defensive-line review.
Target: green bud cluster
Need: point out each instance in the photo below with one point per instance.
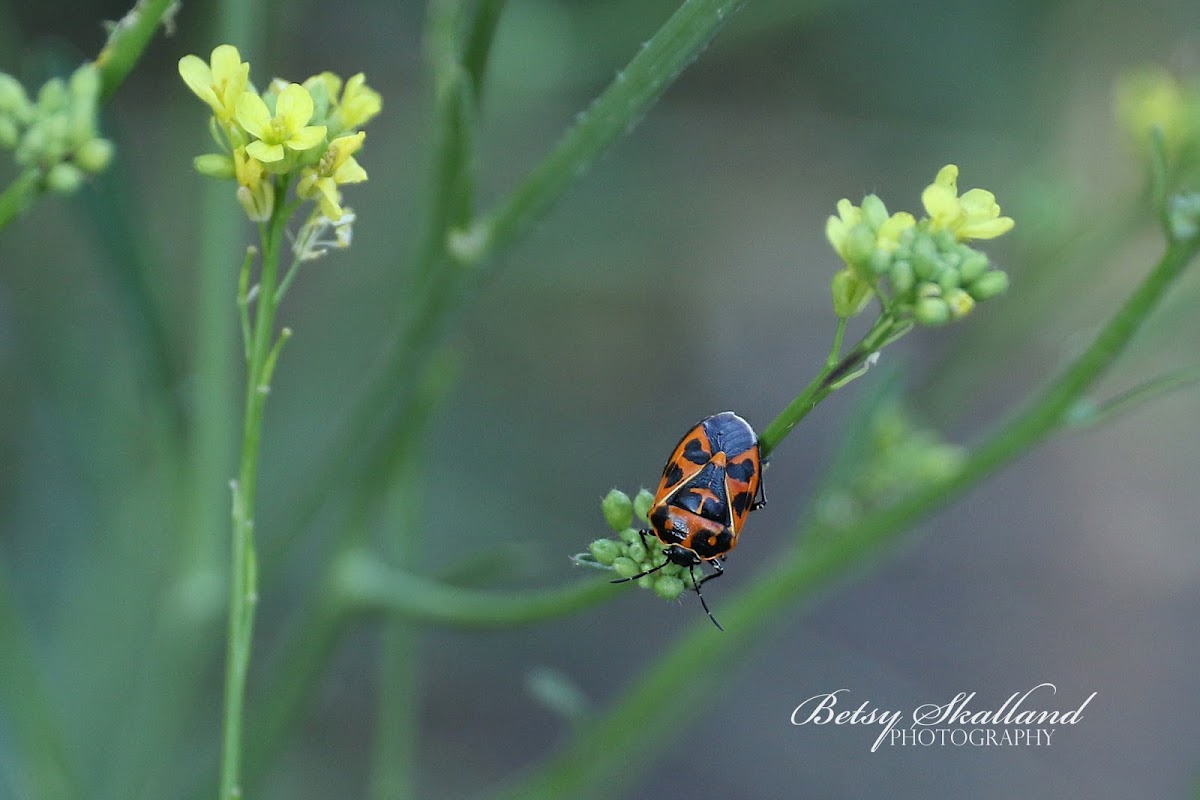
(899, 457)
(57, 132)
(932, 277)
(628, 554)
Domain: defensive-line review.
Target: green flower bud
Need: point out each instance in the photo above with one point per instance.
(64, 178)
(931, 311)
(56, 144)
(95, 154)
(850, 293)
(960, 303)
(625, 567)
(860, 244)
(85, 84)
(617, 507)
(874, 212)
(646, 581)
(12, 95)
(902, 277)
(642, 503)
(636, 552)
(988, 285)
(925, 258)
(947, 279)
(606, 551)
(9, 132)
(51, 97)
(630, 535)
(940, 461)
(944, 241)
(926, 289)
(668, 587)
(974, 264)
(32, 144)
(880, 262)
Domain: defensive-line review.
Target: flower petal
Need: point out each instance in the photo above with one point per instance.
(266, 153)
(306, 138)
(948, 176)
(986, 229)
(294, 106)
(941, 203)
(226, 62)
(199, 78)
(254, 116)
(980, 203)
(350, 171)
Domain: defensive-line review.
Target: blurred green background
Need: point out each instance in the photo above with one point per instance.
(686, 274)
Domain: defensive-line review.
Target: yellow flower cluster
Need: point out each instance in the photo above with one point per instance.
(308, 131)
(920, 268)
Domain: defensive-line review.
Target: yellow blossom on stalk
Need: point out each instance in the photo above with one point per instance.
(337, 166)
(359, 103)
(288, 128)
(974, 215)
(219, 83)
(1151, 98)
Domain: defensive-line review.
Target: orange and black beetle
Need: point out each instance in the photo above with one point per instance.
(709, 486)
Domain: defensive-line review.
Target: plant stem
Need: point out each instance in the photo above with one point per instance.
(1086, 414)
(243, 580)
(126, 42)
(20, 195)
(833, 374)
(367, 585)
(612, 115)
(602, 753)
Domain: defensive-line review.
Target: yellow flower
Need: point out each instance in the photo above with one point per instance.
(359, 103)
(974, 215)
(337, 166)
(219, 84)
(288, 128)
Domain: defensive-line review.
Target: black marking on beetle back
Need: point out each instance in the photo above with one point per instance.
(704, 494)
(672, 474)
(741, 501)
(741, 471)
(694, 452)
(713, 546)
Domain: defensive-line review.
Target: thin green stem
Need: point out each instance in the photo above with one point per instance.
(126, 42)
(367, 585)
(835, 373)
(613, 114)
(1087, 414)
(243, 583)
(602, 753)
(835, 351)
(20, 195)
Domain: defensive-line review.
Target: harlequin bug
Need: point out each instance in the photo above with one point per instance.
(709, 486)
